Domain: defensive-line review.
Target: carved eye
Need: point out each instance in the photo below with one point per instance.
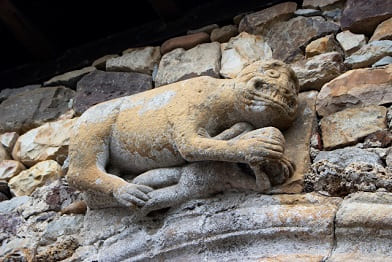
(291, 103)
(258, 84)
(272, 73)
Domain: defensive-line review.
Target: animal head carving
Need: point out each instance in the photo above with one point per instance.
(269, 93)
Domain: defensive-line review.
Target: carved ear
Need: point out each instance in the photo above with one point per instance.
(294, 78)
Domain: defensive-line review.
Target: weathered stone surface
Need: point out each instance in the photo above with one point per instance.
(350, 42)
(386, 60)
(363, 228)
(185, 42)
(369, 54)
(321, 45)
(206, 29)
(360, 87)
(298, 138)
(347, 170)
(348, 126)
(100, 63)
(257, 23)
(30, 109)
(69, 79)
(10, 168)
(334, 180)
(51, 197)
(3, 154)
(64, 225)
(318, 4)
(241, 51)
(7, 92)
(40, 174)
(226, 227)
(314, 72)
(224, 33)
(183, 64)
(10, 206)
(47, 142)
(362, 16)
(287, 38)
(62, 249)
(140, 60)
(388, 159)
(334, 14)
(99, 86)
(348, 155)
(382, 138)
(383, 31)
(8, 140)
(307, 12)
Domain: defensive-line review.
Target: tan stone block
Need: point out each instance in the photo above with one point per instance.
(100, 63)
(180, 64)
(3, 154)
(322, 45)
(348, 126)
(8, 140)
(355, 88)
(10, 168)
(363, 228)
(49, 141)
(298, 142)
(383, 31)
(241, 51)
(38, 175)
(140, 60)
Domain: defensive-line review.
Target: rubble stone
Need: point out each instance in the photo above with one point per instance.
(40, 174)
(356, 88)
(180, 64)
(348, 126)
(241, 51)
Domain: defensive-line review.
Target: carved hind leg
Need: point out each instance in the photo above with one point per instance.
(160, 177)
(165, 197)
(89, 153)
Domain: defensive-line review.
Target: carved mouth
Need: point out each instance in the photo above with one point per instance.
(273, 98)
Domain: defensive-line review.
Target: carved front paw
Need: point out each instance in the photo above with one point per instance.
(132, 195)
(262, 144)
(278, 170)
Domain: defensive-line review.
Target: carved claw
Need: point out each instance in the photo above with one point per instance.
(263, 183)
(278, 170)
(132, 195)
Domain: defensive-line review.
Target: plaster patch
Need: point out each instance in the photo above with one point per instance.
(99, 112)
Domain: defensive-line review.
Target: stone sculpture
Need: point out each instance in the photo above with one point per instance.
(150, 137)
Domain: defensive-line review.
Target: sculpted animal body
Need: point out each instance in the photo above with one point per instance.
(200, 119)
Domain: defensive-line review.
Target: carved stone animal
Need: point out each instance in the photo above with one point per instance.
(179, 123)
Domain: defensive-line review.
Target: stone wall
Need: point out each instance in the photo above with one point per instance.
(341, 193)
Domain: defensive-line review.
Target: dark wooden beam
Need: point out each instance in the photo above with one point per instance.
(152, 33)
(29, 36)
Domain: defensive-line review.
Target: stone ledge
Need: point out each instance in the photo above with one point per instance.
(229, 226)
